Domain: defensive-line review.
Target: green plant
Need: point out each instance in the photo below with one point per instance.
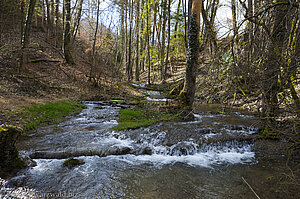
(50, 113)
(139, 117)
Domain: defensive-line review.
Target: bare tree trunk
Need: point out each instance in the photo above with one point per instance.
(169, 39)
(49, 27)
(250, 29)
(143, 43)
(185, 23)
(137, 17)
(129, 67)
(148, 41)
(177, 19)
(273, 63)
(234, 25)
(192, 54)
(26, 39)
(57, 38)
(163, 37)
(95, 39)
(67, 39)
(2, 21)
(154, 23)
(77, 20)
(23, 2)
(122, 33)
(43, 14)
(52, 12)
(126, 37)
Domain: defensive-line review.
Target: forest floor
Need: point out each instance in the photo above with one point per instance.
(45, 77)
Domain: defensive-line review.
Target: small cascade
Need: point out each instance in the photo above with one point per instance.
(111, 158)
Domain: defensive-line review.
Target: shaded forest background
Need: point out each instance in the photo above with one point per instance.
(64, 48)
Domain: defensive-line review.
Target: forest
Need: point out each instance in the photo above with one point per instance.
(197, 89)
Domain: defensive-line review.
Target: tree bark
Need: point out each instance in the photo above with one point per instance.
(188, 91)
(57, 38)
(26, 39)
(163, 37)
(272, 65)
(129, 65)
(77, 20)
(169, 39)
(148, 41)
(137, 17)
(49, 23)
(95, 39)
(67, 39)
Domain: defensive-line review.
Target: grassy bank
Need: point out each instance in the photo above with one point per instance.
(141, 117)
(49, 113)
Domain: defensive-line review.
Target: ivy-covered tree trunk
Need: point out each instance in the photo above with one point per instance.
(188, 91)
(67, 39)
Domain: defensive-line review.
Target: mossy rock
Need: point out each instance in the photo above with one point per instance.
(9, 155)
(72, 162)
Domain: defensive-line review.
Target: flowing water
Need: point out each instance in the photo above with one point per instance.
(203, 158)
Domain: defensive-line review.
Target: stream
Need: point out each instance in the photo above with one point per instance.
(205, 158)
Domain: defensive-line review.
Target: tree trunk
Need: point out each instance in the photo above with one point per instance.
(129, 67)
(272, 65)
(63, 22)
(42, 7)
(148, 41)
(67, 39)
(49, 23)
(23, 2)
(57, 38)
(77, 20)
(185, 23)
(169, 38)
(126, 37)
(142, 40)
(26, 38)
(234, 25)
(177, 19)
(94, 42)
(192, 54)
(137, 17)
(163, 37)
(52, 12)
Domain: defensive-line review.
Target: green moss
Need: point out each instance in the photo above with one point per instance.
(72, 162)
(50, 113)
(9, 156)
(135, 118)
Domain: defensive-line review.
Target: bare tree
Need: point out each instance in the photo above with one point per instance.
(26, 38)
(67, 36)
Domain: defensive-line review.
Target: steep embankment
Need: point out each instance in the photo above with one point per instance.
(45, 77)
